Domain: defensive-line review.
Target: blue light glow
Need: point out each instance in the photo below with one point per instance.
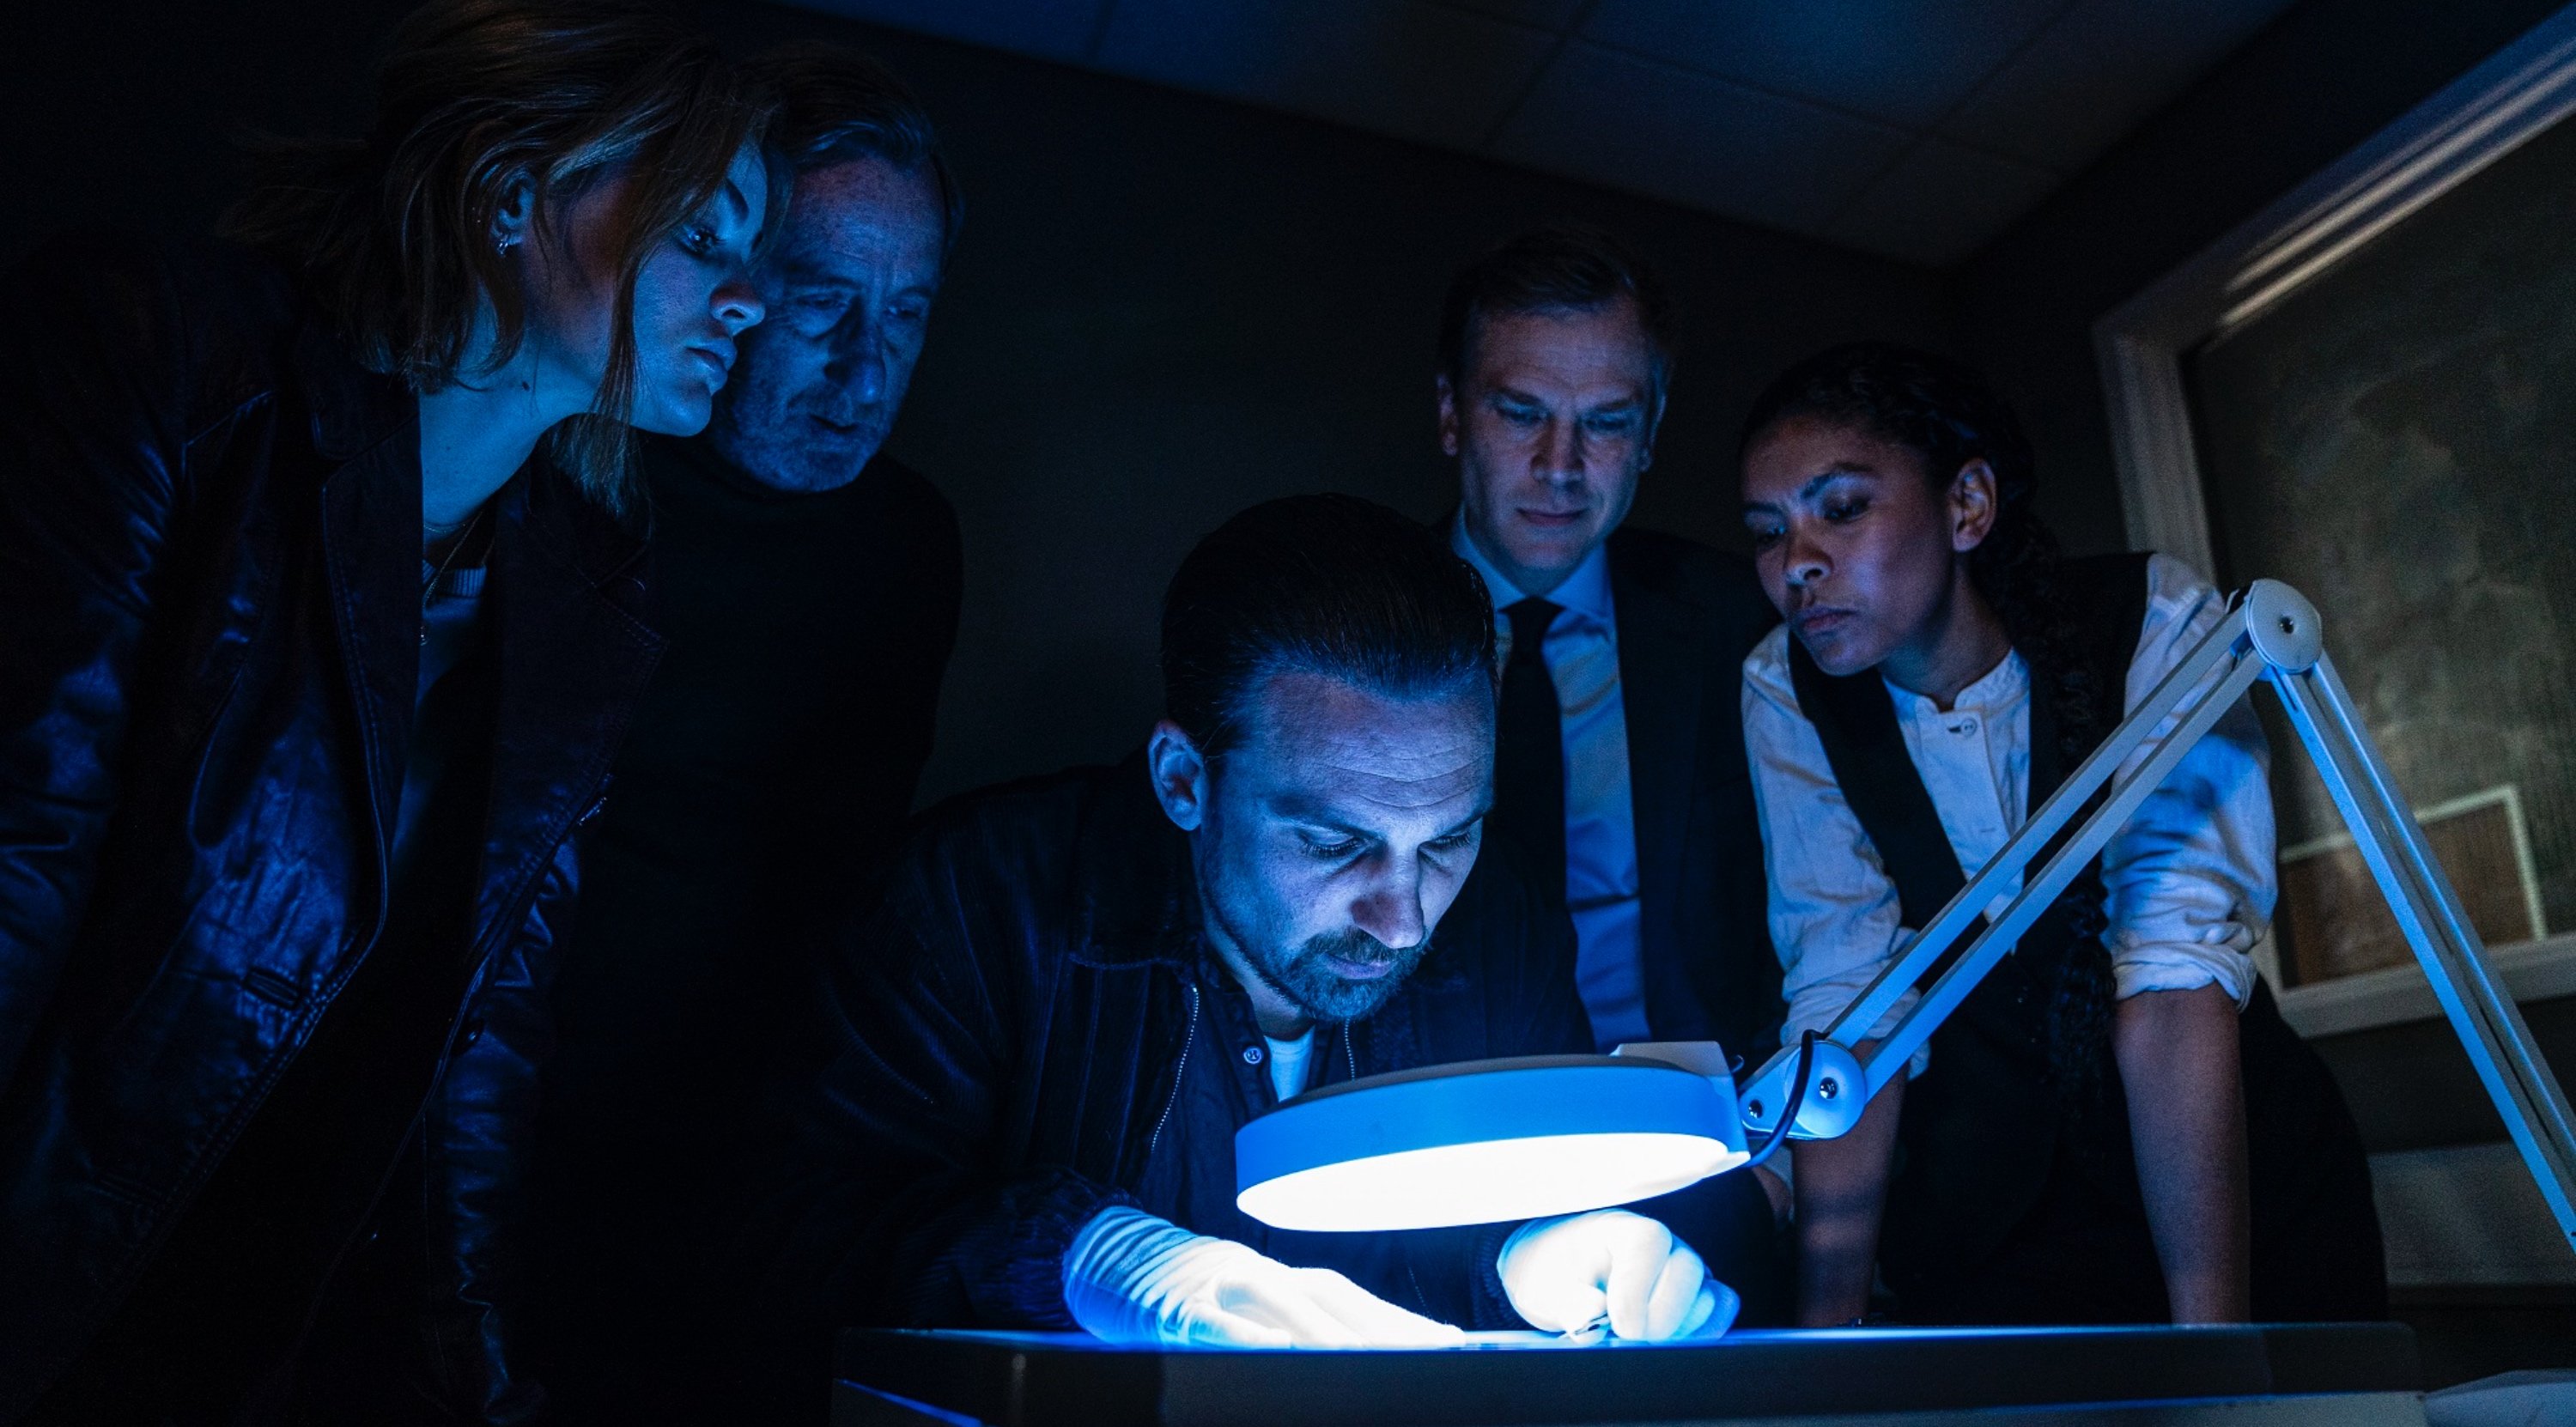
(1485, 1141)
(1486, 1182)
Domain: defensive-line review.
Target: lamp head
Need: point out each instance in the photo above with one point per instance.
(1486, 1141)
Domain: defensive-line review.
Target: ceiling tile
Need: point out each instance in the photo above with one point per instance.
(1938, 204)
(1411, 68)
(1048, 29)
(1903, 61)
(1912, 128)
(1614, 119)
(1545, 14)
(2098, 71)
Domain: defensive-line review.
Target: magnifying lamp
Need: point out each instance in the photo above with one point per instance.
(1483, 1141)
(1494, 1140)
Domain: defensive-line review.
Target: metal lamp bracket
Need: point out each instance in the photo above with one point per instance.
(2272, 635)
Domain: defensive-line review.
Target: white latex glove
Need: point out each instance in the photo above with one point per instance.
(1576, 1272)
(1132, 1278)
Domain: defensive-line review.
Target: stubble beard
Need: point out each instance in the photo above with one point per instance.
(1305, 977)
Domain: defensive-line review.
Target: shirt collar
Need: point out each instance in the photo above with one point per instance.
(1997, 689)
(1585, 593)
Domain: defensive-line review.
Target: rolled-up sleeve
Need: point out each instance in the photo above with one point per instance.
(2189, 884)
(1834, 915)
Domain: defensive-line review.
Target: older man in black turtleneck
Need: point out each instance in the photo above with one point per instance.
(809, 587)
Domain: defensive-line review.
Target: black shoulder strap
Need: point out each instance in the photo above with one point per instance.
(2109, 598)
(1856, 722)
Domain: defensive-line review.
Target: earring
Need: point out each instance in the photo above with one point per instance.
(503, 242)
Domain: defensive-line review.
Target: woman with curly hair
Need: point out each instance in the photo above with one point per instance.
(2116, 1126)
(318, 626)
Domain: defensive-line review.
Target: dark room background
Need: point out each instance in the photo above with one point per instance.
(1166, 307)
(1163, 308)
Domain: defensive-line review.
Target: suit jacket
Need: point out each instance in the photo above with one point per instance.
(1688, 615)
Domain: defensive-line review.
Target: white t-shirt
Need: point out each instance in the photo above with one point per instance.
(1288, 1062)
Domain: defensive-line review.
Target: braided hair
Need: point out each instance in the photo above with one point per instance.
(1949, 417)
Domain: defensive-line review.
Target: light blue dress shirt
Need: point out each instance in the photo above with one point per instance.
(1582, 653)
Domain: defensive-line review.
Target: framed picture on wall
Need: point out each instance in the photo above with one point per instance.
(2369, 391)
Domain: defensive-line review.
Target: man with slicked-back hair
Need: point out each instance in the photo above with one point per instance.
(1015, 1098)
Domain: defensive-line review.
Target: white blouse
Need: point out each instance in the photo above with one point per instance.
(2188, 882)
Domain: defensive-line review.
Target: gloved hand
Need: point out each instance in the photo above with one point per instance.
(1574, 1272)
(1132, 1278)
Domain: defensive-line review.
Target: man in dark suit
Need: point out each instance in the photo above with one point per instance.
(1621, 755)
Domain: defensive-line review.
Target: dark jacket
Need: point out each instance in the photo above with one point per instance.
(766, 777)
(1022, 1033)
(1687, 617)
(209, 614)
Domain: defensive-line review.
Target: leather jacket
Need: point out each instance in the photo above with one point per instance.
(209, 634)
(1030, 1028)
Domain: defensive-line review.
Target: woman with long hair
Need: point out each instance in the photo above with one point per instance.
(318, 624)
(2116, 1126)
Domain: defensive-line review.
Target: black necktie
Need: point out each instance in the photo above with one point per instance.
(1529, 771)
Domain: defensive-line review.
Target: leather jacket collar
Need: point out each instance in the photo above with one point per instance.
(354, 411)
(352, 408)
(1137, 885)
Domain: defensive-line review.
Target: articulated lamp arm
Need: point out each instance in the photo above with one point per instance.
(1486, 1141)
(2271, 634)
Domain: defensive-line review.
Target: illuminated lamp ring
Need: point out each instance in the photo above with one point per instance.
(1483, 1142)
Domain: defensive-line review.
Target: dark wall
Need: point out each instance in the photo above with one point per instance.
(2311, 87)
(1164, 309)
(125, 114)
